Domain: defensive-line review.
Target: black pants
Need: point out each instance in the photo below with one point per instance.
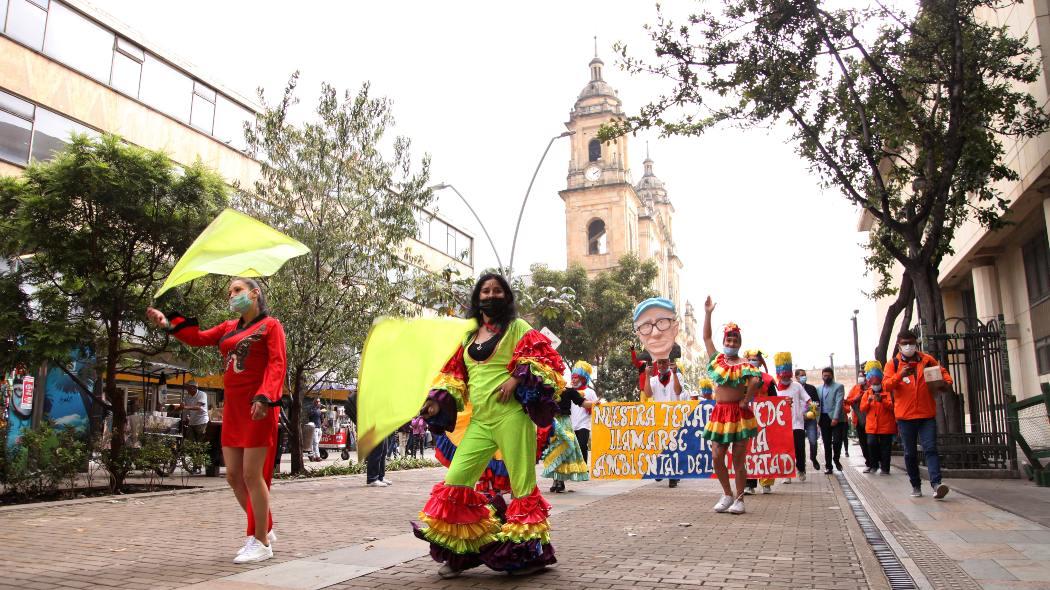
(862, 440)
(832, 437)
(800, 450)
(583, 436)
(879, 446)
(376, 463)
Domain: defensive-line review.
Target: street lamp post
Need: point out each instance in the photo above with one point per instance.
(517, 226)
(856, 344)
(831, 362)
(442, 186)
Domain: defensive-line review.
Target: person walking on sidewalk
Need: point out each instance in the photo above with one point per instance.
(375, 462)
(792, 389)
(812, 430)
(858, 417)
(915, 409)
(732, 422)
(881, 424)
(418, 436)
(315, 416)
(832, 419)
(665, 386)
(757, 359)
(253, 348)
(581, 417)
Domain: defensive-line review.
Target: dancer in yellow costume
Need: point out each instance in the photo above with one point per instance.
(512, 378)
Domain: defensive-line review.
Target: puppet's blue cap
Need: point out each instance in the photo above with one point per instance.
(660, 302)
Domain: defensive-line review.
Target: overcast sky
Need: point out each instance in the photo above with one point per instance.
(482, 88)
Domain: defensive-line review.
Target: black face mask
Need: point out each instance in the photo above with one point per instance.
(827, 380)
(495, 307)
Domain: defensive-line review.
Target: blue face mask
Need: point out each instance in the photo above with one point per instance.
(876, 387)
(730, 351)
(802, 379)
(240, 302)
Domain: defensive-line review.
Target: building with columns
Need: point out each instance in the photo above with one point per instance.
(607, 215)
(1007, 271)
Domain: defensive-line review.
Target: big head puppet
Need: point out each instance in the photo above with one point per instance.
(656, 324)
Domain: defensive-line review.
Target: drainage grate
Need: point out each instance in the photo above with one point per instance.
(941, 571)
(895, 571)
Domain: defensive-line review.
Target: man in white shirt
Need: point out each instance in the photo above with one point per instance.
(665, 386)
(788, 387)
(195, 405)
(580, 416)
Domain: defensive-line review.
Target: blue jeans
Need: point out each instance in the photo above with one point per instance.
(812, 435)
(922, 431)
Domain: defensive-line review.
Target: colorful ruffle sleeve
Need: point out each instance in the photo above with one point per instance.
(539, 370)
(723, 373)
(449, 390)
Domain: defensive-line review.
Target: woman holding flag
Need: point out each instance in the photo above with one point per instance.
(253, 348)
(511, 376)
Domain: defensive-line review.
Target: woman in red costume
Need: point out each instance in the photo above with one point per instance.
(254, 353)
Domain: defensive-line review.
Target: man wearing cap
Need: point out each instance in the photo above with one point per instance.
(656, 324)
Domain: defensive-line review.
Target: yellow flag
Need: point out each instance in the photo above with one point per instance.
(236, 245)
(400, 359)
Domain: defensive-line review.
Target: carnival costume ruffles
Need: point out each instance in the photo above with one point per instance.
(464, 527)
(563, 460)
(728, 422)
(255, 359)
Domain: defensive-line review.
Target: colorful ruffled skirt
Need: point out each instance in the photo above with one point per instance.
(730, 423)
(563, 459)
(465, 529)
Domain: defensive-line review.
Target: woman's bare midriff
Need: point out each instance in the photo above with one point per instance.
(729, 395)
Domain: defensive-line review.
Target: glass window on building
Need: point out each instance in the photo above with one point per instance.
(230, 118)
(1042, 355)
(165, 88)
(1036, 255)
(78, 42)
(25, 22)
(126, 74)
(3, 13)
(15, 133)
(203, 114)
(438, 235)
(52, 132)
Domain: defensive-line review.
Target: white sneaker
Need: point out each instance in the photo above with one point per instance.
(253, 552)
(767, 489)
(737, 507)
(724, 504)
(270, 537)
(750, 491)
(387, 481)
(787, 482)
(378, 484)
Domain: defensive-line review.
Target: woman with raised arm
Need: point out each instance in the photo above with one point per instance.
(732, 422)
(253, 349)
(511, 377)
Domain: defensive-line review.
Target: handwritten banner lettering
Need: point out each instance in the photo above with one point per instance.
(663, 440)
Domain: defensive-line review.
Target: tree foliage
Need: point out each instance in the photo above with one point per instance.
(340, 184)
(905, 114)
(592, 316)
(97, 229)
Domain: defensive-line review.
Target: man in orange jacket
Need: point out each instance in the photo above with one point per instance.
(915, 410)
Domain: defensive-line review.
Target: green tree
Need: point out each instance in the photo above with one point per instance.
(597, 328)
(97, 229)
(903, 113)
(343, 187)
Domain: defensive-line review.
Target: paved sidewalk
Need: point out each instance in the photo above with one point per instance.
(337, 533)
(961, 541)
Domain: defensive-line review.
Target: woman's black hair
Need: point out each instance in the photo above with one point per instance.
(253, 285)
(475, 299)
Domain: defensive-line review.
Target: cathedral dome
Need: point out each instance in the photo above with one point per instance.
(597, 87)
(651, 188)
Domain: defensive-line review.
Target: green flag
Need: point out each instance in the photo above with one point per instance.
(236, 245)
(399, 362)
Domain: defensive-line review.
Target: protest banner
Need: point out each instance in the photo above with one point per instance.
(664, 440)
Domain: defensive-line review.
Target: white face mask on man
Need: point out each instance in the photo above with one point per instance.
(908, 349)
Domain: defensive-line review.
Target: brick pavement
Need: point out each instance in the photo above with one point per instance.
(799, 537)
